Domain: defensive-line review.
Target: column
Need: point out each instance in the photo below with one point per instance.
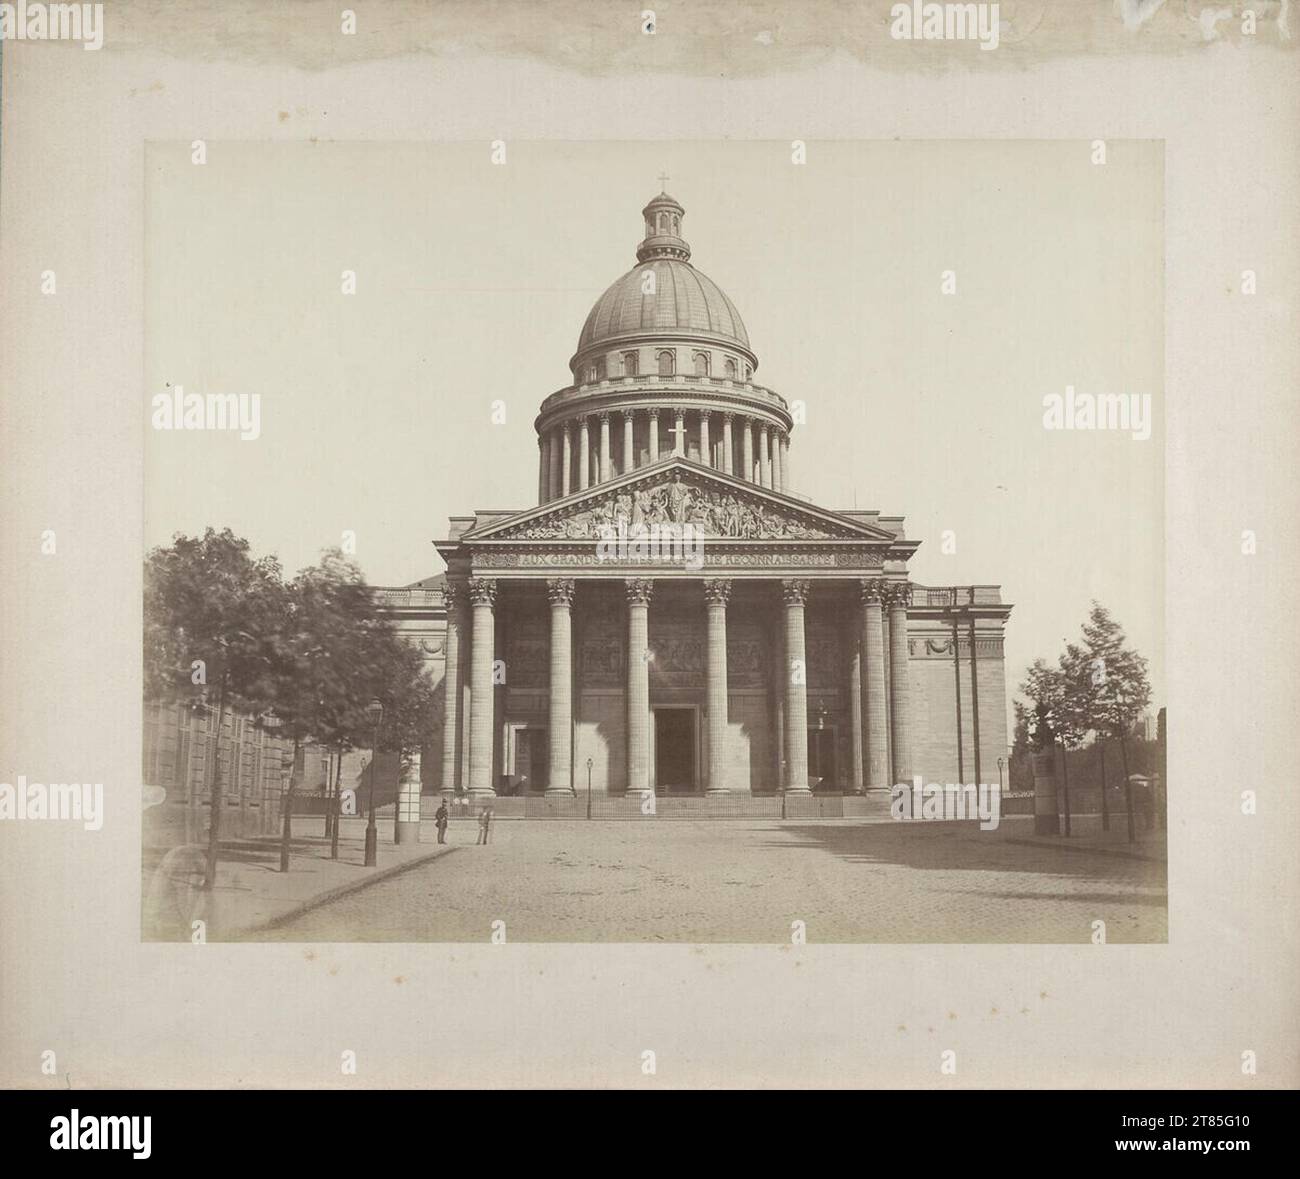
(639, 590)
(778, 483)
(554, 484)
(604, 446)
(777, 631)
(560, 716)
(747, 449)
(453, 595)
(716, 592)
(764, 456)
(406, 826)
(541, 468)
(482, 596)
(706, 451)
(728, 464)
(584, 454)
(786, 483)
(855, 698)
(679, 432)
(873, 681)
(794, 593)
(654, 435)
(629, 451)
(899, 689)
(566, 460)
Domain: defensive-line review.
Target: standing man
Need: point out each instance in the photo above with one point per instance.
(484, 818)
(440, 820)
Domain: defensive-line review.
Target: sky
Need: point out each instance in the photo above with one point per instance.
(473, 280)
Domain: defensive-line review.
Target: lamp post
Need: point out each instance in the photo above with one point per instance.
(1000, 786)
(588, 788)
(1123, 753)
(375, 714)
(336, 804)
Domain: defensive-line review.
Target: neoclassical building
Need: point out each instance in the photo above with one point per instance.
(672, 615)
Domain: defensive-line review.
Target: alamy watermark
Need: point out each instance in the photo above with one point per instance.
(53, 22)
(948, 801)
(1098, 411)
(79, 802)
(78, 1131)
(179, 410)
(918, 21)
(675, 544)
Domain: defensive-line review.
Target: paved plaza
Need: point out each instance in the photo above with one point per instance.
(661, 880)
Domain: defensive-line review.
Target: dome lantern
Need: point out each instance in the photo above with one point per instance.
(663, 231)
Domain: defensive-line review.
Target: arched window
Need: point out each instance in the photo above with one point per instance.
(749, 372)
(663, 222)
(629, 364)
(701, 362)
(667, 363)
(598, 369)
(729, 367)
(677, 225)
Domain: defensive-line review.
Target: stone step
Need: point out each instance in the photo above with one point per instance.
(874, 805)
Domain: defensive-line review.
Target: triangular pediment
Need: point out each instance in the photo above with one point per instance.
(676, 491)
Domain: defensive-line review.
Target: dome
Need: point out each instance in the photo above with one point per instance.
(683, 300)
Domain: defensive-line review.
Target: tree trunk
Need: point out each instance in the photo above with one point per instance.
(1065, 783)
(1128, 788)
(214, 795)
(286, 827)
(1105, 806)
(335, 803)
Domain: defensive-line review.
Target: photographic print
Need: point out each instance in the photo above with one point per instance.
(715, 652)
(562, 545)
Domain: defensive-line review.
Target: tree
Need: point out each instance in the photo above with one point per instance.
(336, 655)
(1118, 689)
(212, 616)
(1043, 688)
(1020, 733)
(1118, 693)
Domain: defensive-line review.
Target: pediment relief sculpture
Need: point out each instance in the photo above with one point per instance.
(709, 511)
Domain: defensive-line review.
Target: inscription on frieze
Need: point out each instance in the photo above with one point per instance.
(720, 558)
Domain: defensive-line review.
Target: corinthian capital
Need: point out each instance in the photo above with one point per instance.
(453, 595)
(639, 590)
(482, 590)
(874, 591)
(900, 594)
(794, 590)
(560, 591)
(717, 590)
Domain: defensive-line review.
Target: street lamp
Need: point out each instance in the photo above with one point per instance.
(1000, 787)
(588, 788)
(375, 714)
(1123, 753)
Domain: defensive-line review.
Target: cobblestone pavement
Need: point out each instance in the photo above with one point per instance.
(746, 881)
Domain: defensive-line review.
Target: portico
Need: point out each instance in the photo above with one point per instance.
(786, 608)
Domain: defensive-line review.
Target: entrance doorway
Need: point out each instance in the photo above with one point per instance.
(532, 760)
(821, 759)
(675, 750)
